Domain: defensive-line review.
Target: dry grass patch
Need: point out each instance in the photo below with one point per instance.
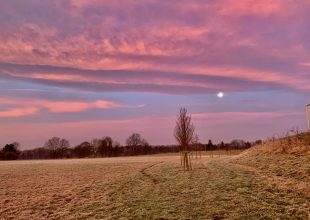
(296, 144)
(216, 188)
(60, 188)
(154, 187)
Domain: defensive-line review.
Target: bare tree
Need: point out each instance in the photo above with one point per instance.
(109, 141)
(56, 142)
(136, 144)
(96, 142)
(85, 149)
(105, 147)
(184, 133)
(57, 147)
(134, 140)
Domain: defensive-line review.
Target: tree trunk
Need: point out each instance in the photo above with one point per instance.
(186, 161)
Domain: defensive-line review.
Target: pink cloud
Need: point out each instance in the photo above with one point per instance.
(21, 106)
(18, 112)
(61, 107)
(251, 7)
(200, 77)
(180, 36)
(176, 47)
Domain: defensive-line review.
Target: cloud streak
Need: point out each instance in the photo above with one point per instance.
(208, 39)
(18, 112)
(129, 80)
(24, 107)
(81, 60)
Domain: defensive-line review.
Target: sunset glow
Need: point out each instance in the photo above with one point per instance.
(82, 69)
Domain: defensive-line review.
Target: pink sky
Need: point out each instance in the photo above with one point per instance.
(89, 68)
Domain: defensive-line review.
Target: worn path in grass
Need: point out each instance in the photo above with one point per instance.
(155, 187)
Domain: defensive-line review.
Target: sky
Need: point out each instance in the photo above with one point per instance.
(83, 69)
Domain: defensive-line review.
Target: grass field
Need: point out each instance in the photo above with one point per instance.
(152, 187)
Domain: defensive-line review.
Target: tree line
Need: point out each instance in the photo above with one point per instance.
(59, 148)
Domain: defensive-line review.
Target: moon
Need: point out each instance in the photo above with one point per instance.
(220, 95)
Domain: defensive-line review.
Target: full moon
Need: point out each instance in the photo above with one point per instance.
(220, 94)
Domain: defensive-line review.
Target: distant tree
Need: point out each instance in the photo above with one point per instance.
(222, 146)
(10, 151)
(109, 141)
(210, 145)
(136, 144)
(96, 142)
(118, 150)
(238, 144)
(58, 147)
(55, 143)
(247, 144)
(184, 134)
(116, 144)
(145, 147)
(105, 147)
(134, 140)
(37, 153)
(85, 149)
(258, 142)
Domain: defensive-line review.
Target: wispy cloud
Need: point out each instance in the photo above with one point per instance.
(18, 112)
(260, 42)
(70, 59)
(24, 107)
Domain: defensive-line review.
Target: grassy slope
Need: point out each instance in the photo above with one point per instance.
(267, 182)
(218, 188)
(244, 186)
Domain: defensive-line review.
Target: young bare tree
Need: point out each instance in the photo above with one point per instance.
(184, 134)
